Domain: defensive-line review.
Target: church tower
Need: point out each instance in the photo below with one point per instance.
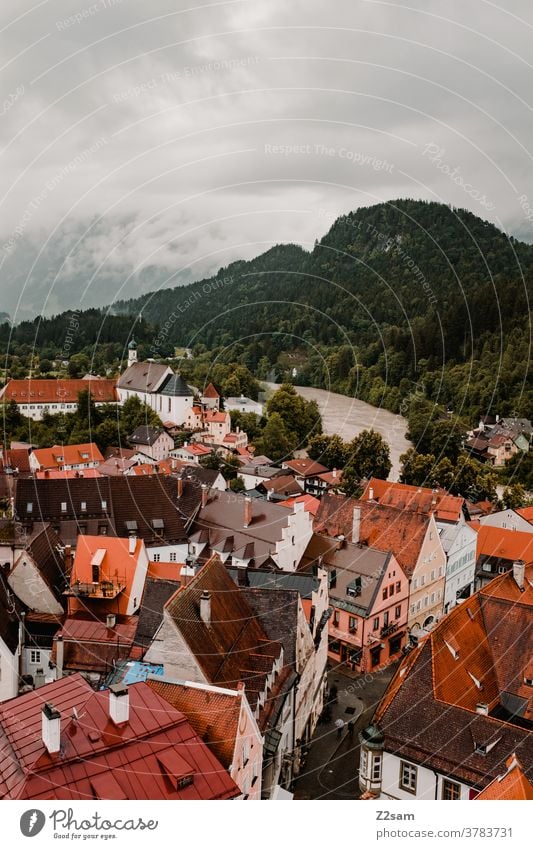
(132, 353)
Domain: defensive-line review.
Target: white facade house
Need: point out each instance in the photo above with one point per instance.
(152, 442)
(459, 544)
(157, 386)
(243, 405)
(508, 520)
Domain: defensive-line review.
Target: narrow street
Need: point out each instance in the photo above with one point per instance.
(331, 768)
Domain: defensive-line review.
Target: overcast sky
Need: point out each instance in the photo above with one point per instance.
(179, 136)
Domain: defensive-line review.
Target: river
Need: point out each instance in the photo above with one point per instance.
(349, 416)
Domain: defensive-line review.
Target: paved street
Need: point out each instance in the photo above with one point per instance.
(331, 768)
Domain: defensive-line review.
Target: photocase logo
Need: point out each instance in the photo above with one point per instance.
(32, 822)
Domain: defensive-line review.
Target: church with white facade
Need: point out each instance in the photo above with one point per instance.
(157, 386)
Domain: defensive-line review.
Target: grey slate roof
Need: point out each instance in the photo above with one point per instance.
(142, 377)
(176, 386)
(156, 594)
(145, 435)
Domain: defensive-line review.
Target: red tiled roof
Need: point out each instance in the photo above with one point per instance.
(90, 645)
(68, 474)
(164, 571)
(513, 784)
(306, 467)
(419, 499)
(311, 504)
(143, 758)
(37, 391)
(196, 449)
(213, 713)
(210, 392)
(504, 543)
(384, 528)
(115, 565)
(17, 458)
(67, 455)
(526, 513)
(215, 416)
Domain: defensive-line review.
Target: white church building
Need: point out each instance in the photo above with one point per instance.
(157, 386)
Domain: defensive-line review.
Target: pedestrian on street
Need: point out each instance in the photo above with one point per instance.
(333, 693)
(351, 726)
(339, 725)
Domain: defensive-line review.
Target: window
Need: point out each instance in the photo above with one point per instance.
(376, 768)
(352, 623)
(408, 777)
(422, 580)
(184, 781)
(398, 586)
(432, 574)
(391, 589)
(173, 556)
(63, 506)
(157, 558)
(376, 623)
(84, 505)
(336, 618)
(385, 593)
(104, 505)
(397, 611)
(450, 790)
(415, 583)
(385, 618)
(29, 507)
(35, 656)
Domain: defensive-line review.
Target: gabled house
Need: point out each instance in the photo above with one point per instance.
(157, 386)
(508, 519)
(242, 404)
(66, 741)
(210, 398)
(417, 499)
(108, 576)
(412, 537)
(151, 441)
(37, 575)
(461, 703)
(368, 597)
(216, 633)
(459, 544)
(498, 549)
(92, 644)
(252, 529)
(307, 472)
(66, 458)
(223, 719)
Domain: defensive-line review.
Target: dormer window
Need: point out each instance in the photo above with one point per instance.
(454, 652)
(485, 748)
(528, 682)
(104, 504)
(83, 505)
(29, 507)
(476, 681)
(63, 506)
(60, 458)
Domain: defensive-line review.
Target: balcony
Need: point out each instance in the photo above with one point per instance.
(388, 629)
(103, 589)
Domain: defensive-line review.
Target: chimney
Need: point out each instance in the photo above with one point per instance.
(205, 493)
(111, 620)
(334, 473)
(247, 511)
(180, 487)
(173, 463)
(119, 703)
(60, 656)
(433, 498)
(519, 571)
(371, 494)
(205, 607)
(132, 544)
(356, 525)
(482, 708)
(186, 574)
(242, 576)
(46, 473)
(51, 728)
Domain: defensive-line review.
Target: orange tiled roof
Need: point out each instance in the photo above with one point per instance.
(68, 455)
(210, 392)
(504, 543)
(38, 391)
(311, 504)
(116, 565)
(213, 713)
(164, 571)
(417, 498)
(215, 416)
(526, 513)
(513, 784)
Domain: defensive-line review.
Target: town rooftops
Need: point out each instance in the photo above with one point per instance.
(90, 644)
(105, 567)
(157, 592)
(153, 754)
(228, 511)
(511, 784)
(470, 681)
(59, 456)
(381, 527)
(447, 508)
(145, 435)
(43, 391)
(311, 504)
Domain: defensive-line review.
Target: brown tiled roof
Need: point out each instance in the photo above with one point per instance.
(156, 594)
(512, 784)
(210, 392)
(230, 648)
(416, 498)
(213, 713)
(44, 549)
(226, 510)
(307, 468)
(125, 499)
(478, 654)
(384, 528)
(89, 645)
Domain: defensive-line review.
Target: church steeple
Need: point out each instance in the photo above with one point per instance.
(132, 352)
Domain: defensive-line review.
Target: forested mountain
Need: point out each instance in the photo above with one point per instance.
(396, 301)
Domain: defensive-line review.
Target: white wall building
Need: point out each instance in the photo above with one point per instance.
(459, 544)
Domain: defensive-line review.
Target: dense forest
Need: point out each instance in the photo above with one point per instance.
(397, 303)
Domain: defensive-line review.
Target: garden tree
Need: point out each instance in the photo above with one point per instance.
(237, 485)
(250, 423)
(300, 417)
(86, 413)
(78, 365)
(519, 469)
(368, 456)
(107, 433)
(45, 366)
(417, 469)
(275, 440)
(473, 481)
(514, 496)
(212, 461)
(12, 418)
(135, 413)
(230, 466)
(331, 451)
(351, 483)
(446, 438)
